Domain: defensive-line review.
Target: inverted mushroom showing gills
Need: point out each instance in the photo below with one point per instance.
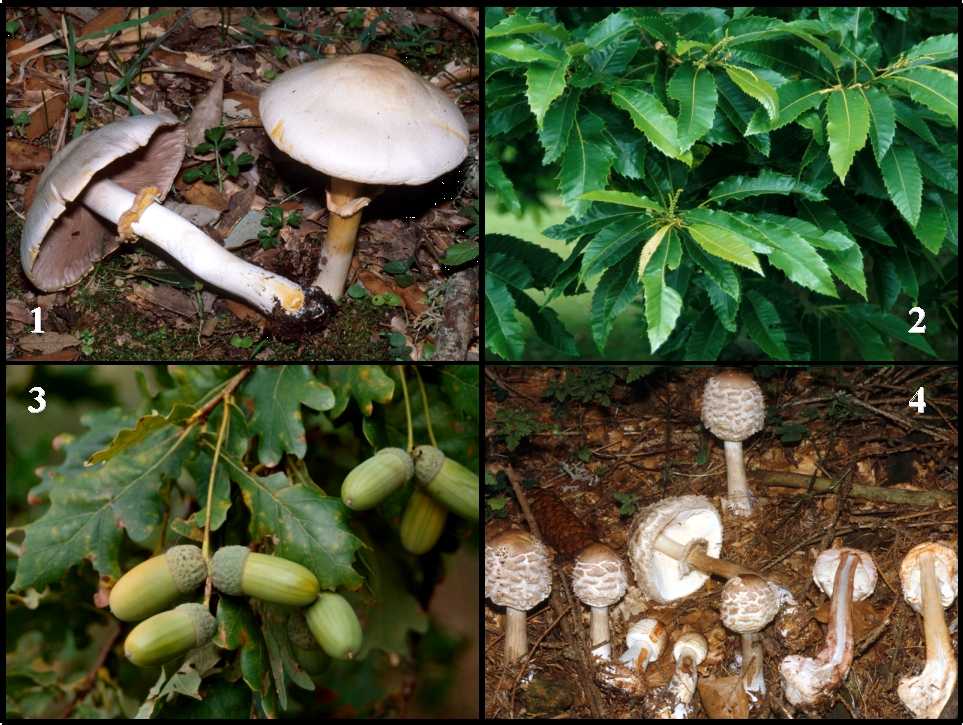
(118, 173)
(674, 545)
(928, 576)
(599, 580)
(733, 410)
(517, 576)
(689, 652)
(747, 605)
(362, 120)
(847, 576)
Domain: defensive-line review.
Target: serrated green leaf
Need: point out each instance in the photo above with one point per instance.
(503, 330)
(496, 178)
(546, 323)
(519, 24)
(650, 247)
(935, 88)
(649, 116)
(936, 49)
(707, 338)
(883, 117)
(931, 227)
(695, 90)
(623, 197)
(752, 85)
(614, 242)
(545, 82)
(847, 125)
(767, 182)
(523, 51)
(663, 305)
(557, 125)
(586, 163)
(765, 326)
(901, 174)
(710, 231)
(615, 291)
(795, 98)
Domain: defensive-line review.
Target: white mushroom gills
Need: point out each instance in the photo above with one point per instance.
(847, 575)
(689, 652)
(644, 643)
(928, 576)
(599, 580)
(190, 246)
(733, 409)
(517, 577)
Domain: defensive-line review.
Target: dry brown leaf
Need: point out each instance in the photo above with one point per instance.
(24, 156)
(47, 342)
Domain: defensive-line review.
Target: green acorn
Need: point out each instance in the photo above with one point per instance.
(152, 585)
(306, 649)
(236, 570)
(334, 624)
(447, 481)
(372, 480)
(169, 634)
(422, 523)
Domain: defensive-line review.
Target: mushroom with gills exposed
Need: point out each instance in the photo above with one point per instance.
(747, 605)
(644, 643)
(846, 575)
(674, 546)
(117, 173)
(517, 576)
(599, 580)
(928, 576)
(733, 409)
(363, 120)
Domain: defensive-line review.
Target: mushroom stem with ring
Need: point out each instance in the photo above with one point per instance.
(344, 218)
(190, 246)
(847, 575)
(695, 555)
(929, 580)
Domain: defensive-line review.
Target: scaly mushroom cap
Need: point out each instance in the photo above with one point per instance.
(824, 572)
(747, 604)
(732, 406)
(945, 564)
(517, 570)
(62, 240)
(599, 578)
(686, 520)
(365, 118)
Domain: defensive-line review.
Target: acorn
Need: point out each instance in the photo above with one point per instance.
(169, 634)
(372, 480)
(236, 570)
(335, 626)
(306, 649)
(152, 585)
(447, 481)
(422, 523)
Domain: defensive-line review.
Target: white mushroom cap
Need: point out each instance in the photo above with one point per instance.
(692, 645)
(62, 241)
(732, 406)
(747, 604)
(365, 118)
(824, 572)
(649, 635)
(517, 570)
(945, 565)
(685, 520)
(599, 578)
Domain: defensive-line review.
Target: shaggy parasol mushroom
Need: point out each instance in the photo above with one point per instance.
(599, 580)
(362, 120)
(689, 651)
(517, 576)
(117, 173)
(846, 575)
(644, 643)
(733, 410)
(928, 576)
(747, 605)
(674, 547)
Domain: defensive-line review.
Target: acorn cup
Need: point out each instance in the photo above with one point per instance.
(238, 571)
(422, 523)
(151, 586)
(169, 634)
(447, 481)
(335, 626)
(374, 479)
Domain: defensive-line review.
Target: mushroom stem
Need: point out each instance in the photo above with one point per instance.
(807, 680)
(516, 634)
(753, 679)
(697, 557)
(927, 693)
(738, 500)
(344, 218)
(599, 631)
(196, 251)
